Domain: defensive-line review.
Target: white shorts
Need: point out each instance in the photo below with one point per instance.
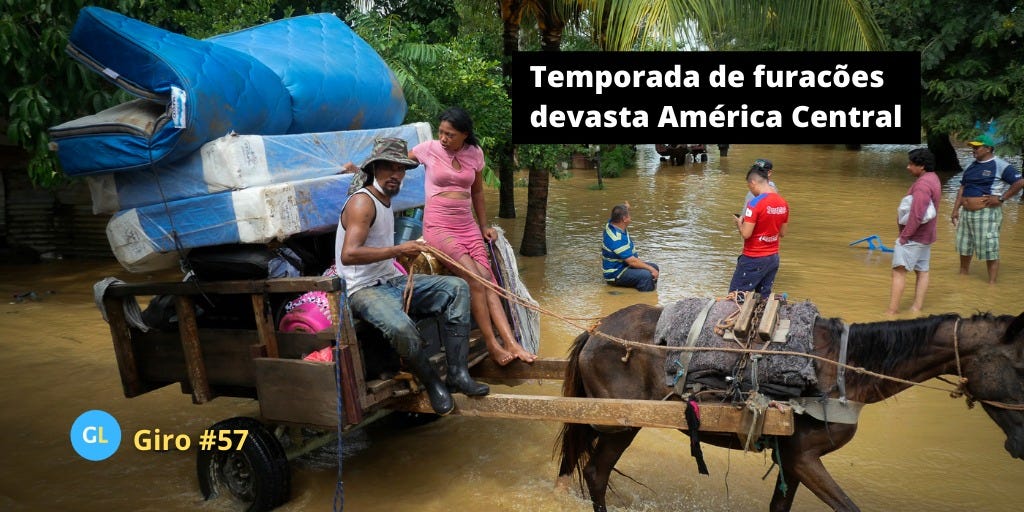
(912, 256)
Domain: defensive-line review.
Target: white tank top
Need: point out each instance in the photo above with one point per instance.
(382, 234)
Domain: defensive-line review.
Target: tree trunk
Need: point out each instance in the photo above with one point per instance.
(511, 16)
(535, 233)
(506, 189)
(946, 161)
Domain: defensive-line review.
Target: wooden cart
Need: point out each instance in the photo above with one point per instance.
(261, 363)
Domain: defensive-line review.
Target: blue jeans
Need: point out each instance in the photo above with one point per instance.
(755, 274)
(639, 278)
(381, 305)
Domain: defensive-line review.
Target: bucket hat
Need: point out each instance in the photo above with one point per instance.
(389, 149)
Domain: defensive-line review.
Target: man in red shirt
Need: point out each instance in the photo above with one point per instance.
(762, 224)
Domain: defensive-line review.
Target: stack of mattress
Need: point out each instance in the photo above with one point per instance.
(239, 138)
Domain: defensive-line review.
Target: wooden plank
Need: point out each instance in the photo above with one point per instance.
(348, 338)
(350, 387)
(296, 391)
(264, 324)
(541, 369)
(743, 320)
(194, 364)
(227, 355)
(121, 335)
(769, 318)
(280, 285)
(601, 411)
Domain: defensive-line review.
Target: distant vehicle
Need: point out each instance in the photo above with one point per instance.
(679, 154)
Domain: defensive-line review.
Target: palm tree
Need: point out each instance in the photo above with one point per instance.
(826, 25)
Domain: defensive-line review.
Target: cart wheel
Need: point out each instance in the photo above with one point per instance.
(257, 475)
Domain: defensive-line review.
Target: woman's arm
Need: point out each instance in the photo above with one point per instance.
(480, 208)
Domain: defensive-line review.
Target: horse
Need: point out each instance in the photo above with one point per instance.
(986, 350)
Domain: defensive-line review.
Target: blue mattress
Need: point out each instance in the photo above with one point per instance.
(296, 75)
(143, 238)
(235, 162)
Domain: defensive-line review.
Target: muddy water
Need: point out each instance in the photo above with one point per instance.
(918, 451)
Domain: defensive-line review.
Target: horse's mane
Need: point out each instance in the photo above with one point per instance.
(882, 346)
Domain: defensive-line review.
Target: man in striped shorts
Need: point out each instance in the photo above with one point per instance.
(986, 184)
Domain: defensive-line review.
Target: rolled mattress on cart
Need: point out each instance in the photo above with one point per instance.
(148, 238)
(296, 75)
(235, 162)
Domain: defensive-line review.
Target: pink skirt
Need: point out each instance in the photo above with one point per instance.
(448, 225)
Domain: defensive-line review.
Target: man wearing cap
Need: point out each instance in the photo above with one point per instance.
(986, 184)
(765, 166)
(365, 255)
(762, 224)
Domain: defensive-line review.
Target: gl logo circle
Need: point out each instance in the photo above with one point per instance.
(95, 435)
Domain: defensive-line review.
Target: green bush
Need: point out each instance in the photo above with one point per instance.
(617, 159)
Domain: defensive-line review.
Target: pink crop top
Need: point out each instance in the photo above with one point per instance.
(440, 175)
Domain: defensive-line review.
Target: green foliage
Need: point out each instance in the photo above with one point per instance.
(548, 157)
(616, 159)
(820, 25)
(403, 47)
(44, 87)
(436, 75)
(437, 20)
(972, 61)
(213, 17)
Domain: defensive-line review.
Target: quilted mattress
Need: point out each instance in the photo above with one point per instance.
(143, 238)
(296, 75)
(235, 162)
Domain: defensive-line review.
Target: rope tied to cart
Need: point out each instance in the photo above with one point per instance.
(956, 391)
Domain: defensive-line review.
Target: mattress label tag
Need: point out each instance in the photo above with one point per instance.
(178, 107)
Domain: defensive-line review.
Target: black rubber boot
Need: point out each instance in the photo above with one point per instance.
(440, 399)
(456, 349)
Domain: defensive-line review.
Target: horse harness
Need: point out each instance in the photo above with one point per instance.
(741, 325)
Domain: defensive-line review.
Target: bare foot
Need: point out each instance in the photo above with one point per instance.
(502, 356)
(891, 312)
(915, 309)
(522, 353)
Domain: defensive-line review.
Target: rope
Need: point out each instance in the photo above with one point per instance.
(501, 291)
(961, 383)
(407, 293)
(343, 312)
(958, 390)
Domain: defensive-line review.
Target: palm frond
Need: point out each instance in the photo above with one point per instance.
(827, 25)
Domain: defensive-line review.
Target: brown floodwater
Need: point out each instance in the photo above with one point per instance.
(920, 450)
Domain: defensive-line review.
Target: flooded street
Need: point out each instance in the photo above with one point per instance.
(920, 450)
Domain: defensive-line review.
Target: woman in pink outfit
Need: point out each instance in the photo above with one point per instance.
(454, 189)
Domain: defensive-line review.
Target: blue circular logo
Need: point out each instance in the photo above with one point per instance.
(95, 435)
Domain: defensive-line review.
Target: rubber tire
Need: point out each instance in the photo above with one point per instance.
(260, 479)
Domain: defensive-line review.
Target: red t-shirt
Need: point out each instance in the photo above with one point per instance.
(768, 212)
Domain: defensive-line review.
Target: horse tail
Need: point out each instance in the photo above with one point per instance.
(575, 440)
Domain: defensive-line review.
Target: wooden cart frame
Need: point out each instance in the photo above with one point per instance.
(267, 365)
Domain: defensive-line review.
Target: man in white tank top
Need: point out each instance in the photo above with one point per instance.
(365, 255)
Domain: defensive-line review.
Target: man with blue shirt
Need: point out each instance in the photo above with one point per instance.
(985, 185)
(621, 265)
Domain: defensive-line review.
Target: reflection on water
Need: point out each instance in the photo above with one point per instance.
(920, 450)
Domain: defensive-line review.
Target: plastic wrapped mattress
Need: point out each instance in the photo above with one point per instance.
(150, 237)
(235, 162)
(296, 75)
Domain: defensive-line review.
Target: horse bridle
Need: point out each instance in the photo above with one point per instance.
(961, 384)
